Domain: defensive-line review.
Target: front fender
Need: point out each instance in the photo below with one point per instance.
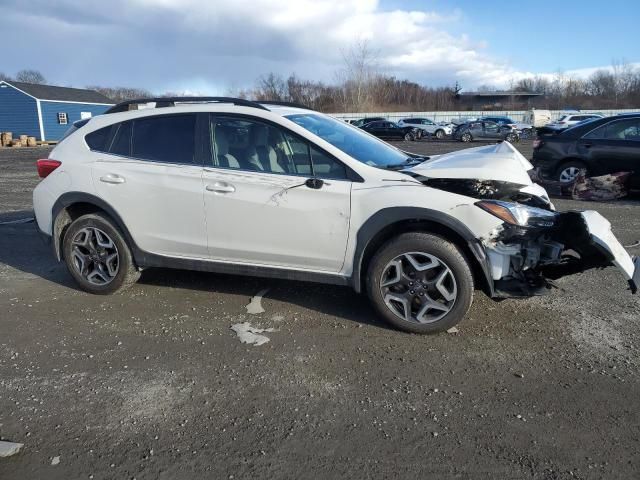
(387, 217)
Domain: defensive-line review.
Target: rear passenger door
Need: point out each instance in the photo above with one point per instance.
(261, 209)
(150, 171)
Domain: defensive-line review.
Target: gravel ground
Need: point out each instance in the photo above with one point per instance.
(153, 383)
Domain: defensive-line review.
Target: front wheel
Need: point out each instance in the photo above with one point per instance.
(97, 256)
(409, 137)
(420, 283)
(439, 134)
(512, 138)
(466, 137)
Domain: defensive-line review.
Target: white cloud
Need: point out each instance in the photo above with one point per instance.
(207, 45)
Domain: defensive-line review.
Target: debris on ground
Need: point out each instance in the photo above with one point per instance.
(600, 188)
(247, 333)
(453, 330)
(55, 460)
(9, 448)
(604, 187)
(255, 305)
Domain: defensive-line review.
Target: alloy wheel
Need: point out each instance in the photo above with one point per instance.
(418, 287)
(569, 174)
(95, 256)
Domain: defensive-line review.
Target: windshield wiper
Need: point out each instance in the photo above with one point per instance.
(409, 162)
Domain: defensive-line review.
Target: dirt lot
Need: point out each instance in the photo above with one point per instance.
(153, 383)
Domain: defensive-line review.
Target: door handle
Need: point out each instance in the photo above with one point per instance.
(220, 187)
(587, 145)
(112, 178)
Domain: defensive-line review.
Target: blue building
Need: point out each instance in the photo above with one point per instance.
(45, 111)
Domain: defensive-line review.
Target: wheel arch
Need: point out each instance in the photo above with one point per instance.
(73, 205)
(390, 222)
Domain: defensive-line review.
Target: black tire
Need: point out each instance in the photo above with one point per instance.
(126, 273)
(450, 257)
(466, 137)
(512, 138)
(409, 137)
(572, 165)
(439, 134)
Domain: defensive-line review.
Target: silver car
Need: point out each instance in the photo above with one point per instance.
(436, 129)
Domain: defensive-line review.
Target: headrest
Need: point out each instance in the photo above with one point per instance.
(259, 135)
(222, 142)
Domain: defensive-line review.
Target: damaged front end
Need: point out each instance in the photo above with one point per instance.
(535, 244)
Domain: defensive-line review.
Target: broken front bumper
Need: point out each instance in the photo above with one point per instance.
(599, 229)
(524, 261)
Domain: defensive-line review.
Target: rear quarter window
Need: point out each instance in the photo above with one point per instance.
(97, 140)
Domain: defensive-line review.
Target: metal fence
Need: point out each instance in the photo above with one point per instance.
(517, 115)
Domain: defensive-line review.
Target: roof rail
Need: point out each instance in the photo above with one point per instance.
(171, 101)
(284, 104)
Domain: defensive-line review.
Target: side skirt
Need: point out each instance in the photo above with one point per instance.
(150, 260)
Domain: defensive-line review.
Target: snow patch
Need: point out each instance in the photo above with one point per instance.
(9, 448)
(247, 333)
(255, 305)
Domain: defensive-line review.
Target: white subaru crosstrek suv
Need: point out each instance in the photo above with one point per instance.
(432, 128)
(232, 186)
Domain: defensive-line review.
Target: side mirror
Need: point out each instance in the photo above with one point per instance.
(314, 183)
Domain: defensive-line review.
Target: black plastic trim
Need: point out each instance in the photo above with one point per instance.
(388, 216)
(161, 261)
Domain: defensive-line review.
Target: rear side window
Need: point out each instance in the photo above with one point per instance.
(167, 138)
(98, 140)
(121, 144)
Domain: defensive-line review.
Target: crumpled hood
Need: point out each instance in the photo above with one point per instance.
(500, 162)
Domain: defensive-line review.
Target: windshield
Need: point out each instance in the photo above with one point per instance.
(351, 140)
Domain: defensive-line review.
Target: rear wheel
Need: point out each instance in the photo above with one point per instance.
(439, 134)
(420, 283)
(97, 256)
(568, 171)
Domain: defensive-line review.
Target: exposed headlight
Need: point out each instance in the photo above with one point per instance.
(518, 214)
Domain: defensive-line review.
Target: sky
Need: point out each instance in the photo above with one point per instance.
(213, 46)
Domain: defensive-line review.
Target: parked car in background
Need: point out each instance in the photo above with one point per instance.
(438, 130)
(570, 119)
(364, 121)
(537, 118)
(525, 130)
(485, 130)
(599, 146)
(391, 131)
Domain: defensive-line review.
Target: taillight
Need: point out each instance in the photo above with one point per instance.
(46, 166)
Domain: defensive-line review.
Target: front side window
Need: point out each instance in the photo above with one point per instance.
(166, 138)
(246, 144)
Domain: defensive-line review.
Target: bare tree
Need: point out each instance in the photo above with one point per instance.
(3, 76)
(30, 76)
(120, 94)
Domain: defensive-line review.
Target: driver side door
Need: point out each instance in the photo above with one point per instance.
(273, 199)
